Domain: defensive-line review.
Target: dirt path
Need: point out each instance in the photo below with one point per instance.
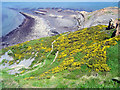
(40, 63)
(45, 59)
(55, 57)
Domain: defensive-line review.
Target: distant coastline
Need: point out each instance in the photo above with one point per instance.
(8, 23)
(51, 21)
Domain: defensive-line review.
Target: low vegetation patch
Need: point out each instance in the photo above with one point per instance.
(87, 58)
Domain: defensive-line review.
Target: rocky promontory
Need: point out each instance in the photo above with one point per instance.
(49, 22)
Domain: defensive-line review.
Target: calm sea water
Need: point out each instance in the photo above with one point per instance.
(11, 18)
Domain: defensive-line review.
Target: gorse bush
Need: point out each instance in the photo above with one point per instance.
(82, 59)
(91, 43)
(76, 49)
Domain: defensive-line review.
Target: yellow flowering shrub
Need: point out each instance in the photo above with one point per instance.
(91, 42)
(29, 48)
(22, 71)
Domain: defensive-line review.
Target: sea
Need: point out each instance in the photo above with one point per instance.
(11, 18)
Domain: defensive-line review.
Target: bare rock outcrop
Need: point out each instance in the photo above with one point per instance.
(100, 17)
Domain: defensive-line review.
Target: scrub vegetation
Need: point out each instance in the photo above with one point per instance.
(86, 58)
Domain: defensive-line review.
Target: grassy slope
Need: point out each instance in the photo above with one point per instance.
(83, 54)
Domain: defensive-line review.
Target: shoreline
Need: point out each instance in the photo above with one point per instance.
(50, 22)
(16, 36)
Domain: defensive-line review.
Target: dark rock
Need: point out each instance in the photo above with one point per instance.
(116, 79)
(55, 32)
(113, 34)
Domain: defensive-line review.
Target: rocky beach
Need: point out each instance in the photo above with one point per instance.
(52, 21)
(18, 34)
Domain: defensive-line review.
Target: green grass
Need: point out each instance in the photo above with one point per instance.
(89, 17)
(79, 78)
(112, 60)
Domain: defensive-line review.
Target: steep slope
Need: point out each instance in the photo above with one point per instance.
(73, 59)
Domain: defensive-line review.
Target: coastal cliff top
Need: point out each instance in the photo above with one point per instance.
(61, 49)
